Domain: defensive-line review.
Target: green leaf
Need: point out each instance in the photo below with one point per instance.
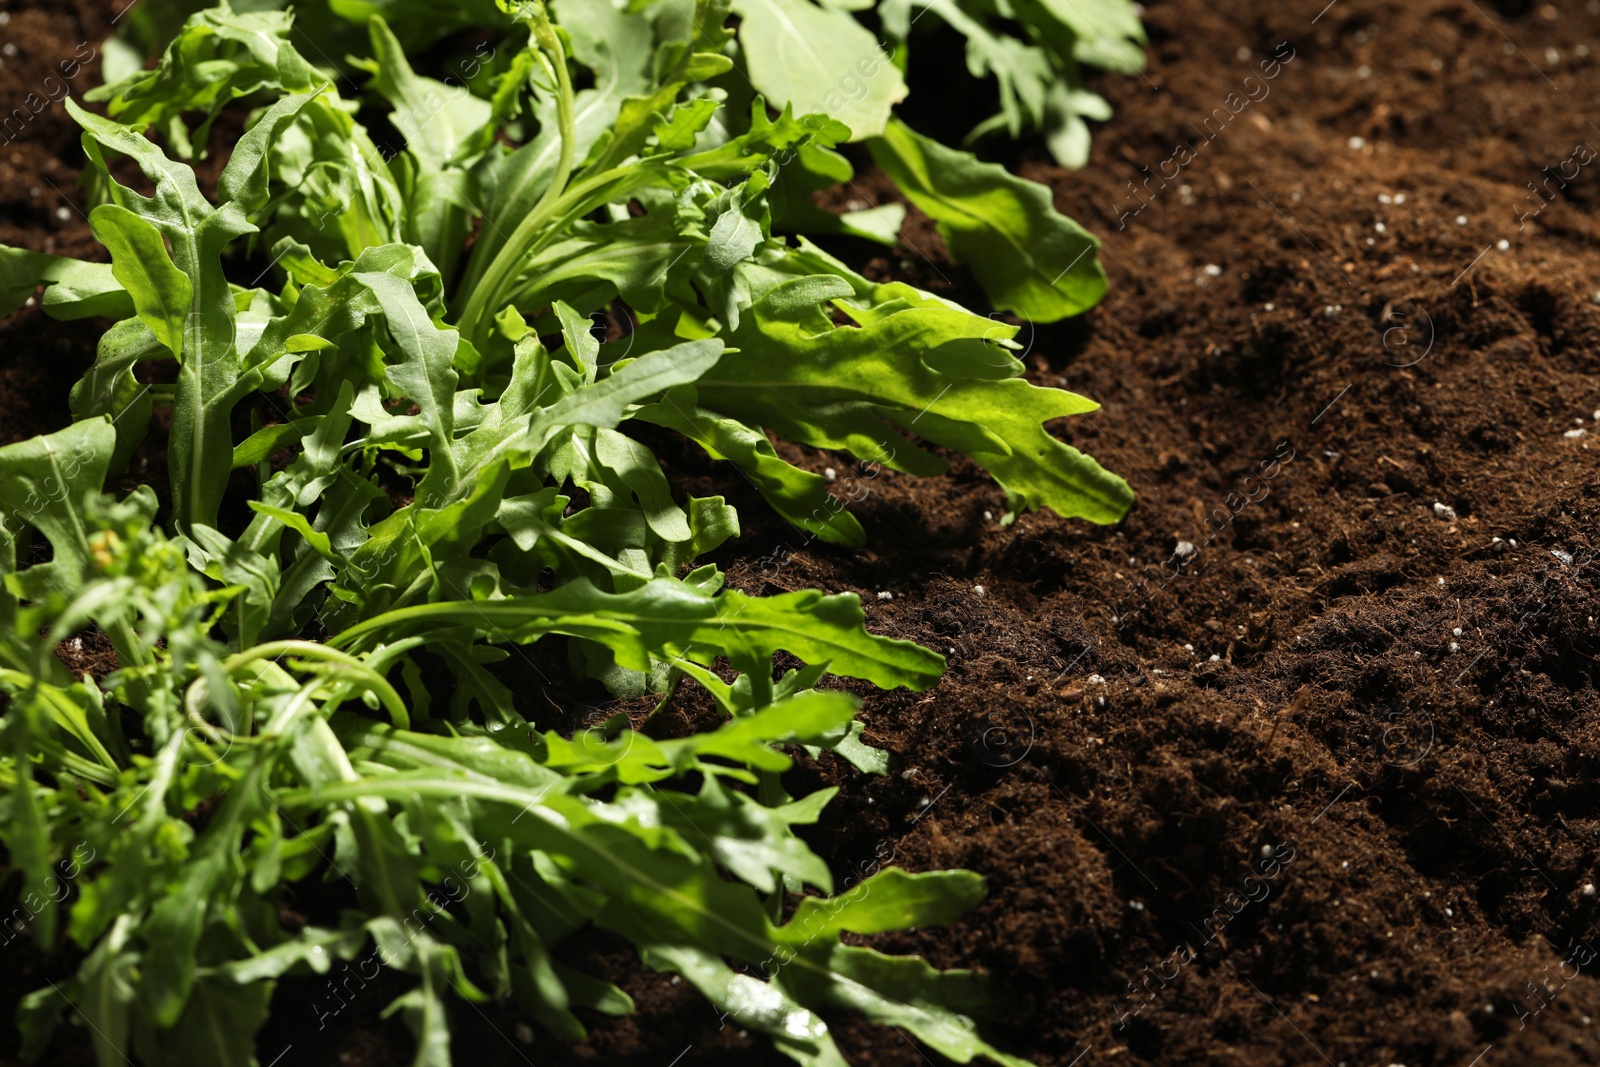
(217, 1027)
(819, 60)
(912, 364)
(436, 120)
(110, 388)
(1029, 258)
(219, 55)
(43, 481)
(797, 495)
(1105, 33)
(161, 292)
(891, 899)
(666, 617)
(75, 289)
(209, 374)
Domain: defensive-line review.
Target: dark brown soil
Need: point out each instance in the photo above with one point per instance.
(1327, 791)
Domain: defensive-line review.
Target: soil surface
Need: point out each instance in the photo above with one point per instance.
(1299, 763)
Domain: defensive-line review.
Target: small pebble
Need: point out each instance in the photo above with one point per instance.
(1211, 270)
(1444, 511)
(1331, 310)
(1461, 220)
(1096, 679)
(830, 474)
(885, 596)
(980, 590)
(1588, 889)
(988, 516)
(1503, 244)
(1214, 658)
(63, 214)
(1357, 143)
(1575, 434)
(1564, 557)
(1456, 632)
(1185, 549)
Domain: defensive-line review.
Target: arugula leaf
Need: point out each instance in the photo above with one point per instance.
(912, 364)
(819, 60)
(75, 289)
(218, 56)
(195, 317)
(437, 121)
(110, 388)
(668, 618)
(1030, 259)
(1035, 50)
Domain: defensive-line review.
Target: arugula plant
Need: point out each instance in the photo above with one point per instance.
(1038, 73)
(822, 58)
(440, 471)
(801, 56)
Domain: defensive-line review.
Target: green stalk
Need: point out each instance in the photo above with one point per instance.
(314, 650)
(483, 299)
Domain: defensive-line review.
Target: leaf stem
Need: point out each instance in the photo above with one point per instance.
(314, 650)
(484, 299)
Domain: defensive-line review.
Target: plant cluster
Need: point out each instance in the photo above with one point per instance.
(408, 457)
